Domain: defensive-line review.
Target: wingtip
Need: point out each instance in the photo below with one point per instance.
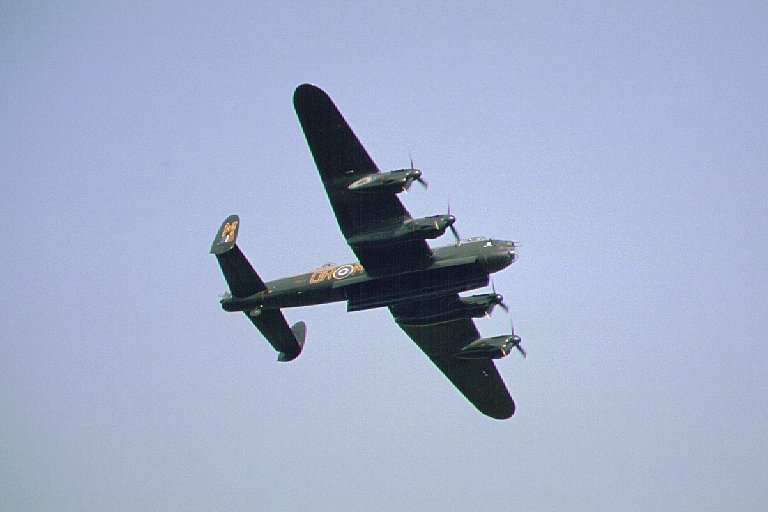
(307, 93)
(503, 412)
(305, 89)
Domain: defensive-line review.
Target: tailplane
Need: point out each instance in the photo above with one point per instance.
(243, 282)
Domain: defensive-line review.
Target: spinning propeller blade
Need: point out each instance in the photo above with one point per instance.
(453, 228)
(418, 178)
(518, 346)
(499, 299)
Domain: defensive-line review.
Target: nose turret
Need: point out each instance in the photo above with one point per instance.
(500, 255)
(513, 254)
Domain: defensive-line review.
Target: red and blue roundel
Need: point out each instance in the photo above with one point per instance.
(343, 271)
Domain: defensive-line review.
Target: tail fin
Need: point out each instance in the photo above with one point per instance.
(299, 331)
(226, 236)
(241, 278)
(243, 281)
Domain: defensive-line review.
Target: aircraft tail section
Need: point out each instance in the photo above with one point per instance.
(243, 281)
(226, 236)
(299, 331)
(288, 342)
(241, 278)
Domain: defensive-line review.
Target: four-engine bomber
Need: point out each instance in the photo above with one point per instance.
(396, 267)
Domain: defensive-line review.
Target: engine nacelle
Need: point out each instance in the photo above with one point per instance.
(474, 306)
(405, 291)
(385, 182)
(414, 229)
(481, 305)
(495, 347)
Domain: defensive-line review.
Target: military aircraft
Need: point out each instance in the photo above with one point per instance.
(397, 268)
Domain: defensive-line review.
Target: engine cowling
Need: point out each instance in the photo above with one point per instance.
(416, 229)
(494, 347)
(474, 306)
(385, 182)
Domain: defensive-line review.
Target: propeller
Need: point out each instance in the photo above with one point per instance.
(453, 228)
(417, 174)
(517, 339)
(226, 295)
(499, 299)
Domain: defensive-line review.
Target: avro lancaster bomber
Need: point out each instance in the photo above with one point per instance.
(396, 267)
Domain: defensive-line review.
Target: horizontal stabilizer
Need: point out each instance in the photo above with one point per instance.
(243, 281)
(287, 341)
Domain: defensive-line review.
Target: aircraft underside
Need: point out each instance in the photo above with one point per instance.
(347, 283)
(397, 268)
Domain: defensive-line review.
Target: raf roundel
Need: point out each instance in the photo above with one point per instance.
(343, 271)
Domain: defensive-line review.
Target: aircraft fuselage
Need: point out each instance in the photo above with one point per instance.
(456, 268)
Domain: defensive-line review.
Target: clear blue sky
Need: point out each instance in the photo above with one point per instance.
(625, 147)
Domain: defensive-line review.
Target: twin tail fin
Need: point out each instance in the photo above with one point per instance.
(243, 281)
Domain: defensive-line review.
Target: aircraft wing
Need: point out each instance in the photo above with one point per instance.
(477, 379)
(342, 159)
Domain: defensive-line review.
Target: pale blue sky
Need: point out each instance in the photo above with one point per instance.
(623, 145)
